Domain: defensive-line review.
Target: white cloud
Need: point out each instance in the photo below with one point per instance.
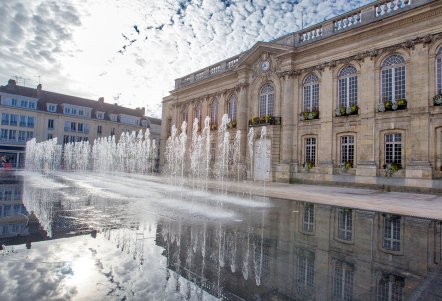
(74, 45)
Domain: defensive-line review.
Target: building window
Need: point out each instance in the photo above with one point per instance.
(184, 115)
(14, 102)
(52, 108)
(112, 131)
(22, 121)
(348, 150)
(345, 224)
(392, 232)
(50, 136)
(65, 139)
(393, 78)
(4, 134)
(30, 121)
(73, 127)
(393, 148)
(81, 112)
(32, 105)
(214, 111)
(212, 152)
(24, 103)
(80, 127)
(439, 71)
(266, 100)
(13, 120)
(21, 136)
(310, 150)
(50, 124)
(305, 275)
(12, 135)
(231, 107)
(342, 281)
(5, 119)
(348, 87)
(390, 288)
(308, 219)
(100, 115)
(311, 93)
(29, 135)
(99, 129)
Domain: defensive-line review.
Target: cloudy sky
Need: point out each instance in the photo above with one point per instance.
(130, 51)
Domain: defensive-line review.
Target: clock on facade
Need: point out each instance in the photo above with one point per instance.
(265, 66)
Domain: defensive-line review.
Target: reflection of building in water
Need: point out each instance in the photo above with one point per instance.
(13, 219)
(16, 224)
(309, 252)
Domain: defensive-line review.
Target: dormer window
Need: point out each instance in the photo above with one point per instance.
(100, 115)
(81, 112)
(52, 108)
(67, 110)
(113, 117)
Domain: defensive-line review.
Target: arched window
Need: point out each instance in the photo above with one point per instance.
(348, 87)
(197, 115)
(214, 111)
(311, 93)
(439, 71)
(231, 107)
(266, 100)
(393, 78)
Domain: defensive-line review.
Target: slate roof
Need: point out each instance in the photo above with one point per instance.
(45, 97)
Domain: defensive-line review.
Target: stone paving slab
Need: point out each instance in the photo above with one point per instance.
(411, 204)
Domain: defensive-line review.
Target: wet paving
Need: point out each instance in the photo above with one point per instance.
(76, 236)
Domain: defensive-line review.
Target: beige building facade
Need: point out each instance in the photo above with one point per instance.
(353, 99)
(28, 113)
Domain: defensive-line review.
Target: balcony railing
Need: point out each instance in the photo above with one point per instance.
(264, 120)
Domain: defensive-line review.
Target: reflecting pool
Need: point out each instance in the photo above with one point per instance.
(73, 236)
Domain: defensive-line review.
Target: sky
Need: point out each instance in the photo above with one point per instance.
(131, 51)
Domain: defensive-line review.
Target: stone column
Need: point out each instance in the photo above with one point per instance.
(367, 102)
(417, 140)
(283, 169)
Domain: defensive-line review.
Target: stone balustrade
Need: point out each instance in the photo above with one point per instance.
(359, 17)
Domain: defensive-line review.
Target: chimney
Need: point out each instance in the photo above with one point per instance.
(39, 88)
(101, 99)
(11, 84)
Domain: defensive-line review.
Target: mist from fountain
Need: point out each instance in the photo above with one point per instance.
(134, 153)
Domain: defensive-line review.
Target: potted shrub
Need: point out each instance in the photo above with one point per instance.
(232, 124)
(268, 118)
(255, 120)
(437, 100)
(309, 165)
(402, 104)
(391, 168)
(306, 115)
(354, 109)
(348, 165)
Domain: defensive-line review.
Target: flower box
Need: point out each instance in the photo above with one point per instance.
(388, 105)
(309, 115)
(347, 111)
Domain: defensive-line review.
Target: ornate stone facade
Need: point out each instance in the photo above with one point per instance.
(378, 125)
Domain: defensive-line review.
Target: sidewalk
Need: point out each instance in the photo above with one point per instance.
(410, 204)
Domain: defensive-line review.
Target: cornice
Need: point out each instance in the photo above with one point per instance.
(408, 44)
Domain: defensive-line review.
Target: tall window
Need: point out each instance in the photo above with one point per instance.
(348, 87)
(266, 100)
(5, 119)
(439, 71)
(342, 281)
(50, 124)
(345, 224)
(305, 269)
(214, 111)
(231, 107)
(390, 288)
(392, 232)
(393, 148)
(393, 78)
(308, 220)
(348, 149)
(197, 114)
(311, 93)
(310, 150)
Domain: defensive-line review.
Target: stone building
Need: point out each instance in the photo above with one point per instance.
(351, 99)
(35, 113)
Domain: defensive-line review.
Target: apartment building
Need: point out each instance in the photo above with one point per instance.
(28, 113)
